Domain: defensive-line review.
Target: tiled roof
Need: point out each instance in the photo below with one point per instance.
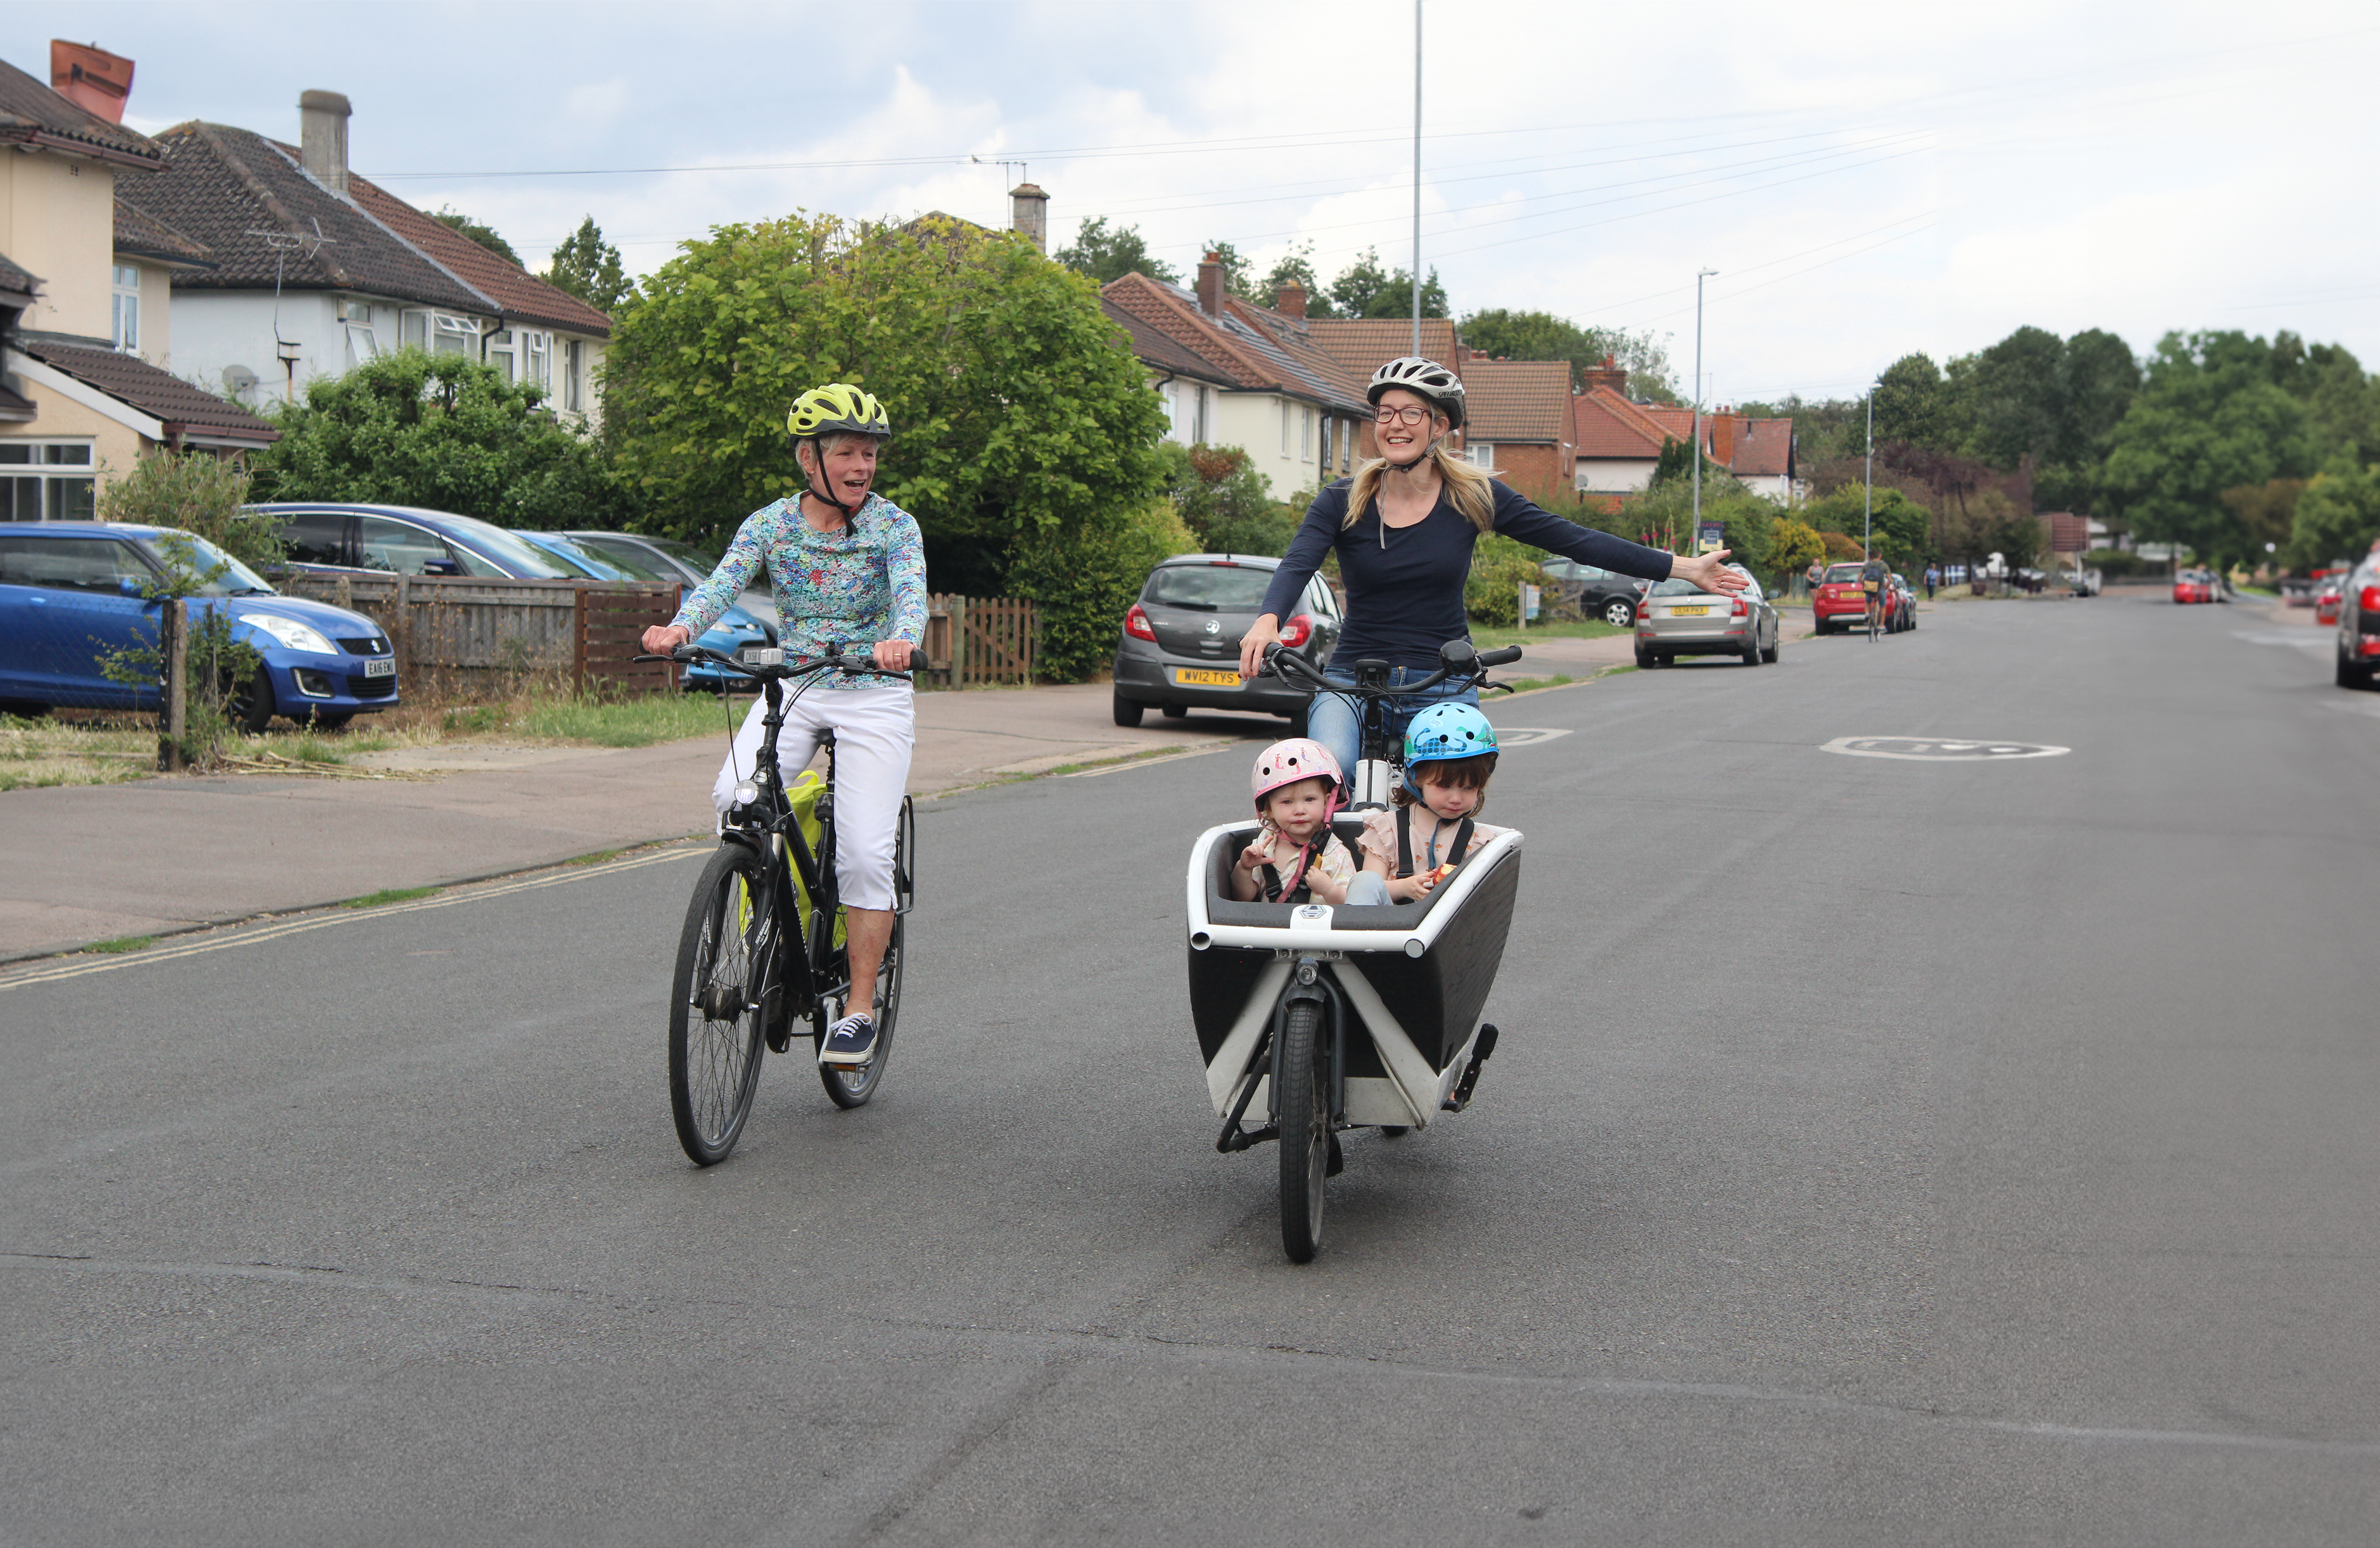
(518, 293)
(1516, 400)
(147, 236)
(1766, 451)
(1152, 347)
(1247, 348)
(158, 393)
(1610, 426)
(227, 184)
(1364, 345)
(31, 113)
(16, 281)
(1676, 422)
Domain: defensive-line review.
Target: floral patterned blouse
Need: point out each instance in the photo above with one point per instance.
(864, 584)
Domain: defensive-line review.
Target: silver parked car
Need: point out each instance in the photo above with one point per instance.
(1681, 619)
(2358, 644)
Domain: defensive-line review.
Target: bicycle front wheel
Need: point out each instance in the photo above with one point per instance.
(1303, 1093)
(714, 1038)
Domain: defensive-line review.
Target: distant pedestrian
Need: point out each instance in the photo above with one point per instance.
(1932, 574)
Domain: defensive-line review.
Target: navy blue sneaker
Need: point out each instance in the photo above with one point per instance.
(850, 1042)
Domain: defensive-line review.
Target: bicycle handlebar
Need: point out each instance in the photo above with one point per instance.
(779, 670)
(1286, 663)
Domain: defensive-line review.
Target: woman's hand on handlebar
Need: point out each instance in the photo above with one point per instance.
(662, 638)
(896, 654)
(1263, 632)
(1709, 571)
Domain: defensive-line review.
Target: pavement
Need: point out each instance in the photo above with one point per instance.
(100, 862)
(1881, 1150)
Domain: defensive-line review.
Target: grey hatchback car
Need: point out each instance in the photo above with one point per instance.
(1681, 619)
(1180, 646)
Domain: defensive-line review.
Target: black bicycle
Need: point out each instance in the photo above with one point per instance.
(763, 945)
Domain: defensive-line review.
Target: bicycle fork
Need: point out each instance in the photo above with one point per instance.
(1307, 984)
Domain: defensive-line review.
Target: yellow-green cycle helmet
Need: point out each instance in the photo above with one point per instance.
(837, 407)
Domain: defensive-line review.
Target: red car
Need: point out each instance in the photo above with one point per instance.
(2194, 586)
(1836, 600)
(2327, 599)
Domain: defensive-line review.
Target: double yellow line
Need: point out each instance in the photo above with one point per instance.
(83, 967)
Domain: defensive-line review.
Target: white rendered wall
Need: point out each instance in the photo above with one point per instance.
(1616, 475)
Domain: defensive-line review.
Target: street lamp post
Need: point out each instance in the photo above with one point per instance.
(1700, 275)
(1416, 180)
(1868, 499)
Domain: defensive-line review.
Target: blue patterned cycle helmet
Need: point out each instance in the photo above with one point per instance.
(1446, 732)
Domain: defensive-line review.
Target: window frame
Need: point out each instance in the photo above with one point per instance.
(124, 307)
(43, 481)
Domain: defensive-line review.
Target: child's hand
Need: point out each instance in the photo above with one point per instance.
(1257, 854)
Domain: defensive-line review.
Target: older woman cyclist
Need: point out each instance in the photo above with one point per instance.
(846, 566)
(1403, 529)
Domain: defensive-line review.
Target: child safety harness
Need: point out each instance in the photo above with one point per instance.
(1299, 889)
(1405, 842)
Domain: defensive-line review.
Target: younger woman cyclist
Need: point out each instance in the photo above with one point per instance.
(1449, 758)
(1296, 858)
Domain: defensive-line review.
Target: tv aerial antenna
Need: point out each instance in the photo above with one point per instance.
(283, 243)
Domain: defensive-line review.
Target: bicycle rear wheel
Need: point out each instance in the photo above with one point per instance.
(714, 1039)
(1303, 1092)
(848, 1087)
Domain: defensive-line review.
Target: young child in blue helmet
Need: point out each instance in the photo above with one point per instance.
(1449, 758)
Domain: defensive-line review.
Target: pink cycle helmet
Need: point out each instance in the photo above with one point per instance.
(1300, 757)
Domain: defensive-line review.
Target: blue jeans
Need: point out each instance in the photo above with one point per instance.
(1332, 719)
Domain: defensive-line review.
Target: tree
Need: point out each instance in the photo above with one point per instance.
(483, 234)
(1109, 255)
(1904, 525)
(587, 266)
(2209, 417)
(2015, 394)
(1542, 336)
(2337, 517)
(200, 494)
(1794, 547)
(440, 431)
(1297, 267)
(1910, 405)
(1394, 298)
(1025, 436)
(1225, 502)
(2266, 512)
(1358, 283)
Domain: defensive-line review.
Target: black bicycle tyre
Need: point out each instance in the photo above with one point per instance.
(1304, 1103)
(847, 1088)
(714, 1066)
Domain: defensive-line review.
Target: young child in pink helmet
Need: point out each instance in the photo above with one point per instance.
(1296, 858)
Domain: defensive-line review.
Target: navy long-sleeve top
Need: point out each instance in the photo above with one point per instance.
(1404, 583)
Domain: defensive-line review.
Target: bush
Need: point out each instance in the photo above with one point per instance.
(1225, 502)
(2118, 561)
(1083, 581)
(1500, 566)
(199, 494)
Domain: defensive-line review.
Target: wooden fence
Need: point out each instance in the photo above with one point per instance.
(971, 640)
(457, 634)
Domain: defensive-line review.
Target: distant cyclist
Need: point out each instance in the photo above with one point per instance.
(847, 567)
(1403, 529)
(1872, 582)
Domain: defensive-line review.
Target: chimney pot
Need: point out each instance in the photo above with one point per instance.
(323, 138)
(1210, 284)
(1290, 300)
(90, 77)
(1028, 211)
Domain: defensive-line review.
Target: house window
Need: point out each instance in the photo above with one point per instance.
(502, 352)
(1347, 448)
(574, 370)
(1306, 435)
(1328, 424)
(537, 360)
(453, 335)
(1480, 454)
(1202, 424)
(124, 307)
(1284, 427)
(46, 481)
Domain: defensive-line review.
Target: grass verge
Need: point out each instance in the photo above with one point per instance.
(390, 895)
(1531, 684)
(122, 944)
(1585, 629)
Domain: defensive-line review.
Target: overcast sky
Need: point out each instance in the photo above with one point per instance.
(1867, 179)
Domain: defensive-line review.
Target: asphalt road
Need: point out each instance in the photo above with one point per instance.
(1880, 1152)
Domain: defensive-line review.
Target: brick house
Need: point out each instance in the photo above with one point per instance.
(1618, 442)
(1519, 421)
(86, 319)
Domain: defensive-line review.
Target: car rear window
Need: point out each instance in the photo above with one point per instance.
(1216, 588)
(1839, 573)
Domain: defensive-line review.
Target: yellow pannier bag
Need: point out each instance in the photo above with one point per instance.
(802, 796)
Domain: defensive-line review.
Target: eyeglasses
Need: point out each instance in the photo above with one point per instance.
(1412, 414)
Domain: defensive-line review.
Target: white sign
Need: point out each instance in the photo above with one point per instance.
(1934, 749)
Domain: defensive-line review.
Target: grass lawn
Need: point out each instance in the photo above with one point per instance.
(1595, 629)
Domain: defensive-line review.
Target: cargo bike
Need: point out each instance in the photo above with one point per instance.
(1313, 1019)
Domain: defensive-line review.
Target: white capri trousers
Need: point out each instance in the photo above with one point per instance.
(874, 728)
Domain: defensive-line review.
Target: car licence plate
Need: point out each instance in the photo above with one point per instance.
(1690, 612)
(382, 666)
(1202, 677)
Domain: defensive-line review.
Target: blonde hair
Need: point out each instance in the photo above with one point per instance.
(1467, 486)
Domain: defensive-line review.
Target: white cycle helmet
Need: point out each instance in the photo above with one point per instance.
(1426, 378)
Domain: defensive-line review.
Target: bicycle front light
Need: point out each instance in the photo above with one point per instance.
(746, 793)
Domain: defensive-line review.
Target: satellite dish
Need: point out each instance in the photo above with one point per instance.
(238, 382)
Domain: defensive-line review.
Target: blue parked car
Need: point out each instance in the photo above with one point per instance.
(690, 562)
(407, 540)
(70, 594)
(736, 628)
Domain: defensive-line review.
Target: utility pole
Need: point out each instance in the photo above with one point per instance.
(1700, 275)
(1868, 499)
(1416, 180)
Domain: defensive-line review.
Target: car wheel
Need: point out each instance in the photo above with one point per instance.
(250, 703)
(2351, 674)
(1644, 659)
(1174, 711)
(23, 709)
(1127, 712)
(1619, 613)
(1818, 626)
(1775, 648)
(1752, 647)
